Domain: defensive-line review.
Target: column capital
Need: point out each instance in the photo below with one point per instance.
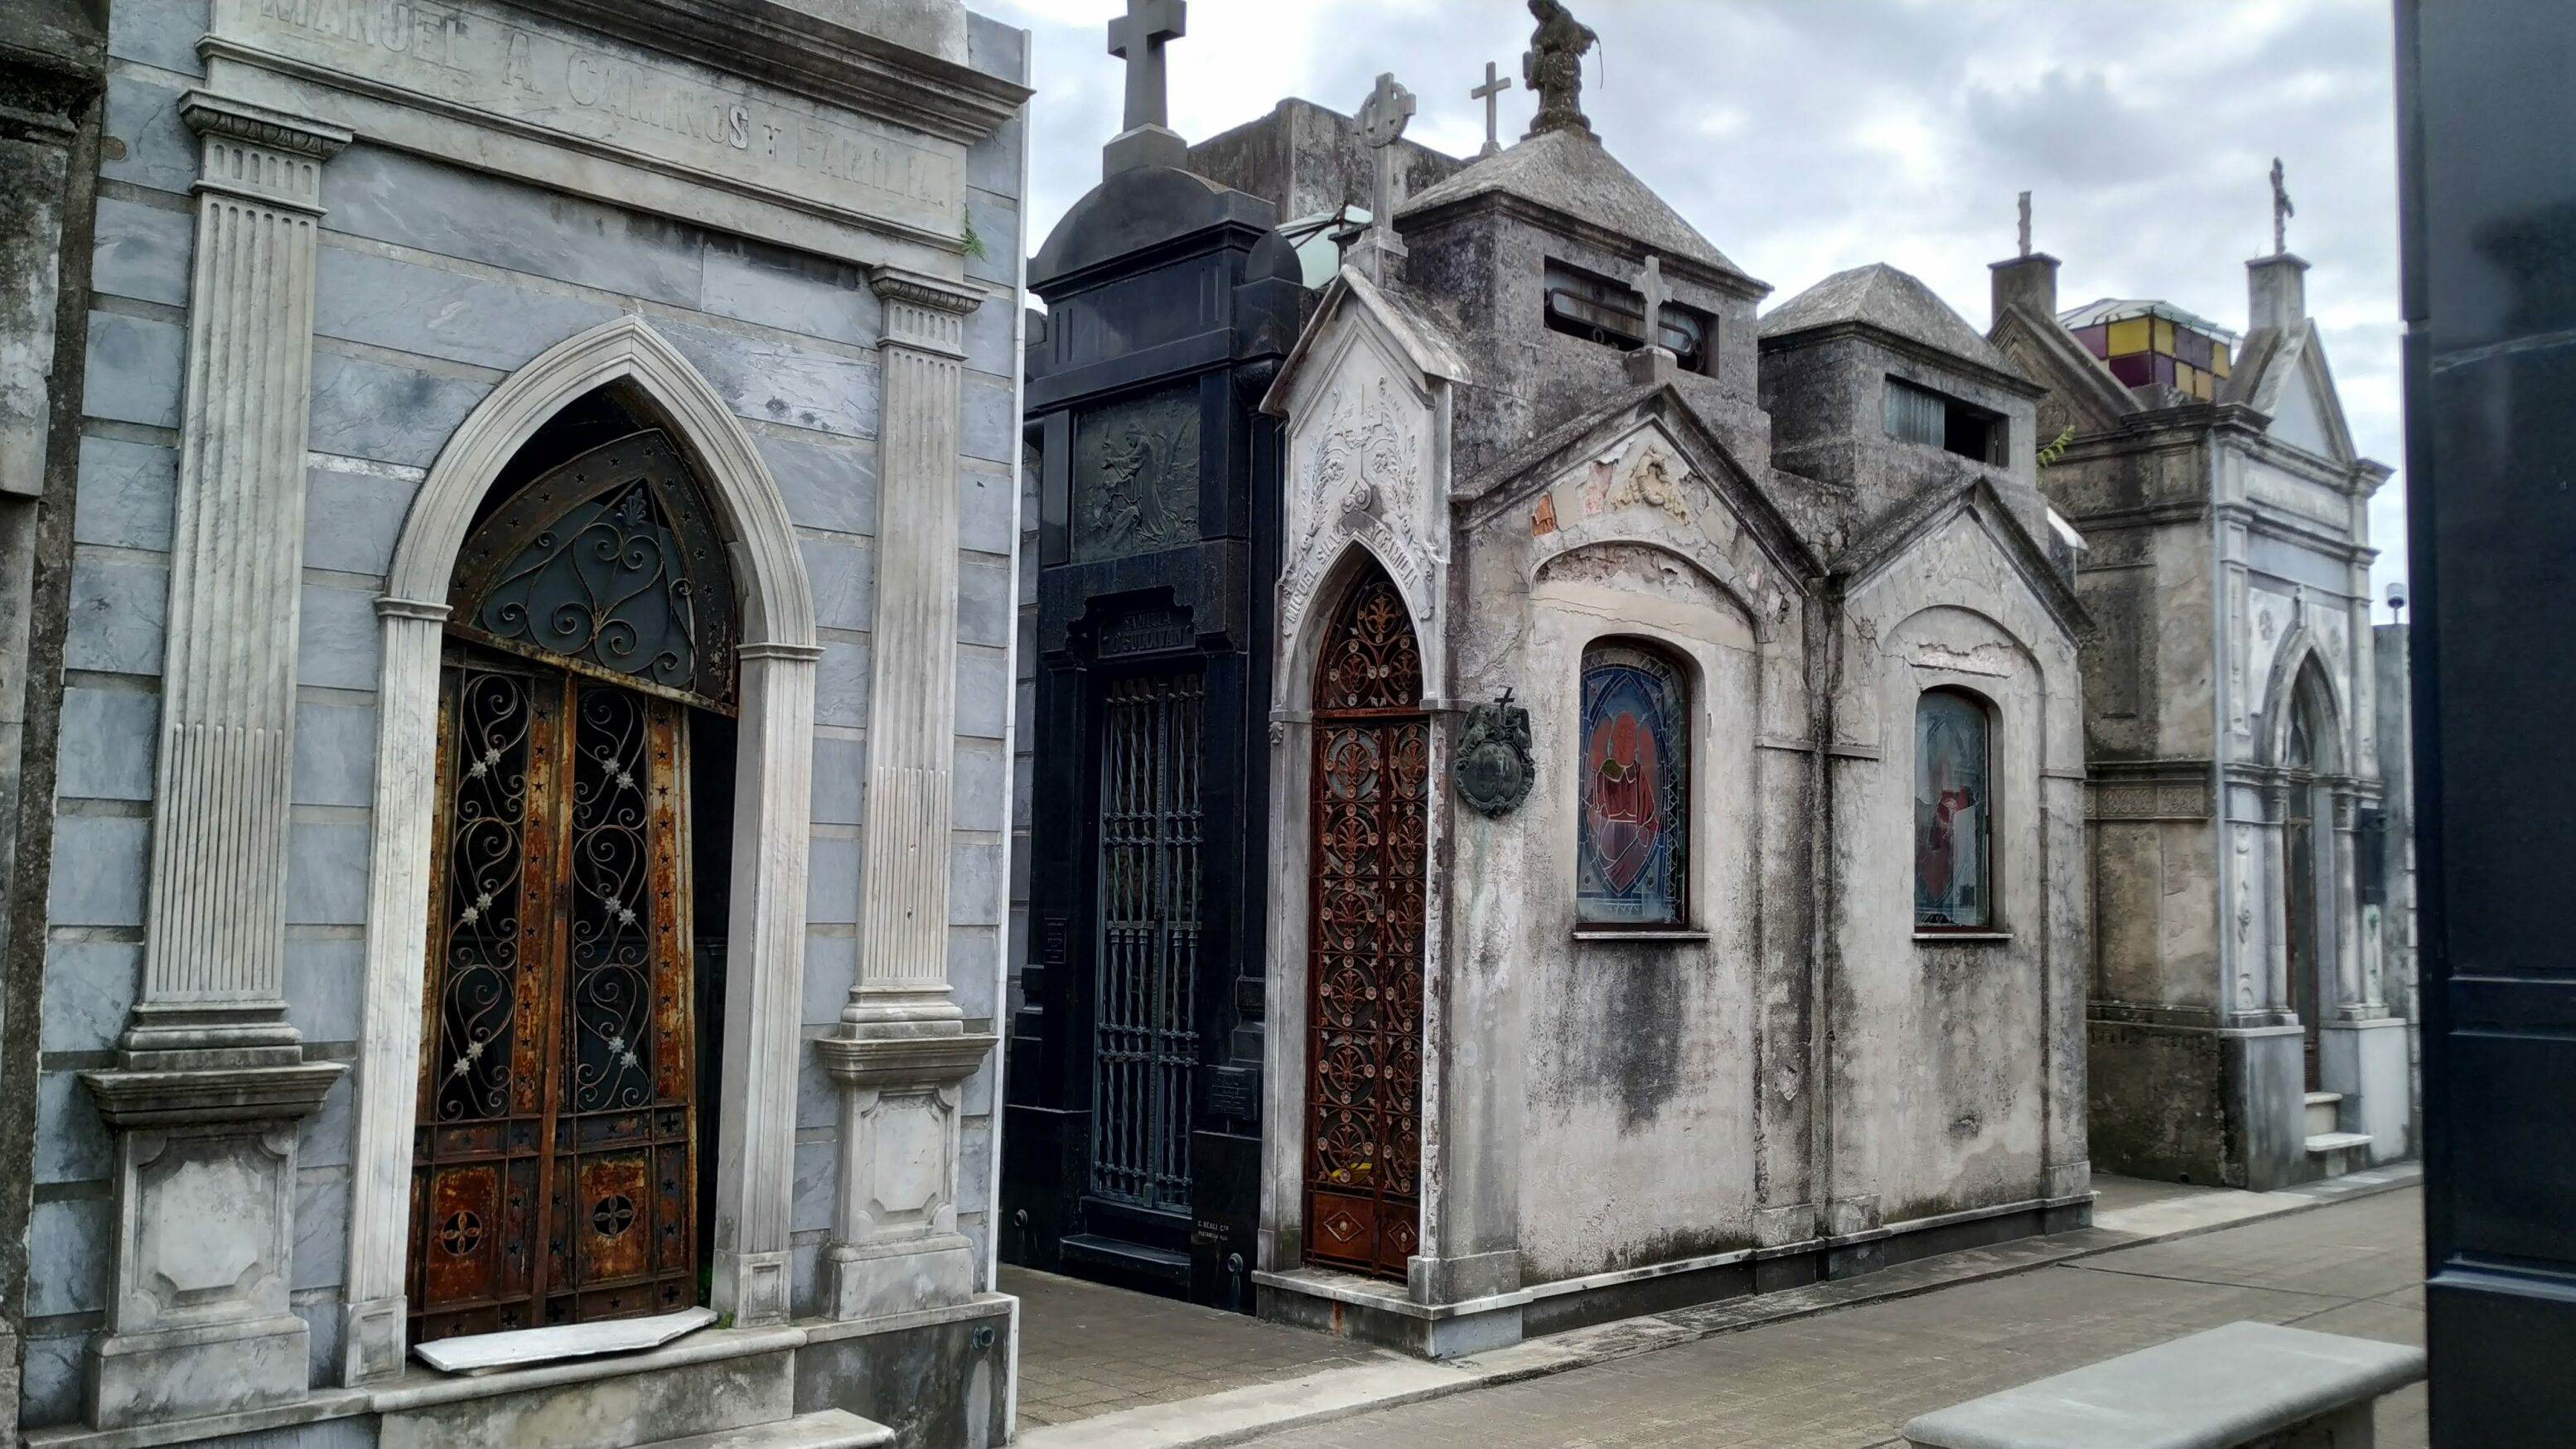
(923, 311)
(209, 114)
(269, 157)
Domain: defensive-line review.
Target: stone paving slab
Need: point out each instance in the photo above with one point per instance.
(1104, 1369)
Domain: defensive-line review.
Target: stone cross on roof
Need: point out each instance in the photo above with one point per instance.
(1494, 86)
(1382, 119)
(1652, 284)
(1137, 38)
(2282, 211)
(2025, 223)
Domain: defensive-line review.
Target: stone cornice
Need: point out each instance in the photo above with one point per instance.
(811, 56)
(912, 1061)
(895, 284)
(209, 114)
(148, 1099)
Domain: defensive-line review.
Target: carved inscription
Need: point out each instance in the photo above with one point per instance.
(1136, 475)
(661, 110)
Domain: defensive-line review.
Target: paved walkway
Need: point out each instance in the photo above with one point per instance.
(1850, 1379)
(1101, 1368)
(1087, 1350)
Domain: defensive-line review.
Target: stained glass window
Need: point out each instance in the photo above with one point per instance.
(1952, 816)
(1634, 826)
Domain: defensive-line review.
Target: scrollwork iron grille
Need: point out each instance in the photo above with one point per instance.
(554, 1174)
(611, 565)
(1144, 1038)
(1369, 802)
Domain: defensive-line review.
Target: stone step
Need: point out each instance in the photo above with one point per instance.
(822, 1429)
(2342, 1151)
(1160, 1264)
(2323, 1115)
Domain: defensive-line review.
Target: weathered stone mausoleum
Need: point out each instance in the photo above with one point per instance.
(524, 855)
(1675, 759)
(2250, 984)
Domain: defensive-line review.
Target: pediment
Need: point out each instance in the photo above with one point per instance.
(2292, 385)
(1354, 307)
(1977, 507)
(1646, 473)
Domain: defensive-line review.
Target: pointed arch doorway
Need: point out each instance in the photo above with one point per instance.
(587, 688)
(1369, 801)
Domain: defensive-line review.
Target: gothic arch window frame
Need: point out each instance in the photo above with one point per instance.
(1677, 811)
(1988, 863)
(619, 538)
(776, 661)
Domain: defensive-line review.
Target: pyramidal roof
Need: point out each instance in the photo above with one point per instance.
(1890, 300)
(1570, 172)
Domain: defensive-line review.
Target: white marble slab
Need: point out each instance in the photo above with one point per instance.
(485, 1352)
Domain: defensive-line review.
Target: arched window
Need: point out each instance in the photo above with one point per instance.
(1633, 830)
(1953, 813)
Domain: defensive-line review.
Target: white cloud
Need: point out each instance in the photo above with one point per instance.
(1805, 136)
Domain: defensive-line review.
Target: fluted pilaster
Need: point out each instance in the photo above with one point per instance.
(214, 953)
(903, 1052)
(912, 712)
(211, 1082)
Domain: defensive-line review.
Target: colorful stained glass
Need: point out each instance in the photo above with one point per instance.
(1951, 815)
(1635, 771)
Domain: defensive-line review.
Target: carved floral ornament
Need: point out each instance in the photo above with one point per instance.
(1361, 480)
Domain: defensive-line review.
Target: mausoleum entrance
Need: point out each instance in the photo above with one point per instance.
(1370, 784)
(587, 686)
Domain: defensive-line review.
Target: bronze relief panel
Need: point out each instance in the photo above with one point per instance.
(1136, 475)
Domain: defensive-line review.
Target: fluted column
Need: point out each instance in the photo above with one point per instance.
(903, 1052)
(211, 1079)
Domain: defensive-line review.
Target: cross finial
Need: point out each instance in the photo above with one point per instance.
(2282, 211)
(1137, 38)
(2025, 223)
(1382, 120)
(1494, 86)
(1653, 286)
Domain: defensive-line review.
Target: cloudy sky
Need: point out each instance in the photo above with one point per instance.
(1806, 136)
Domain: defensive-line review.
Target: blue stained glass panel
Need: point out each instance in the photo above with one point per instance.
(1951, 813)
(1634, 824)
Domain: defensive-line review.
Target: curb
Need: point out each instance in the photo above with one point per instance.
(1234, 1416)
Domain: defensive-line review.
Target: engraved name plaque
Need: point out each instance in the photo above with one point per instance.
(535, 81)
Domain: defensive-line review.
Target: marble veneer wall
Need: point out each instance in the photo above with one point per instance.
(433, 283)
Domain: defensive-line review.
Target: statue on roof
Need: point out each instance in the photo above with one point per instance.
(1553, 67)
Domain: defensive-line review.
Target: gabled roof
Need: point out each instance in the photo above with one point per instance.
(1548, 456)
(2055, 360)
(1570, 173)
(1880, 296)
(2271, 369)
(1888, 536)
(1411, 321)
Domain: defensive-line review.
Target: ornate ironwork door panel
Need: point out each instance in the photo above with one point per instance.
(553, 1172)
(1144, 1042)
(1369, 801)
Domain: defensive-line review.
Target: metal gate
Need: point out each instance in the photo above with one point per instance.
(552, 1176)
(1364, 964)
(1144, 1044)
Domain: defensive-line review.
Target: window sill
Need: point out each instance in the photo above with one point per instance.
(1960, 938)
(1666, 937)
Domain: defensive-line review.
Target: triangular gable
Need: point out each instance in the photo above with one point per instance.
(1883, 546)
(2284, 376)
(2092, 399)
(1416, 338)
(1662, 408)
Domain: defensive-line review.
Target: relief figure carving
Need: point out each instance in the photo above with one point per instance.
(1136, 475)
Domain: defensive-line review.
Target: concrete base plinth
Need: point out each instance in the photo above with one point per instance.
(2366, 1061)
(878, 1279)
(186, 1373)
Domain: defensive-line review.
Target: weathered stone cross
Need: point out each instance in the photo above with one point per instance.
(2025, 223)
(2282, 211)
(1653, 286)
(1382, 120)
(1494, 86)
(1137, 38)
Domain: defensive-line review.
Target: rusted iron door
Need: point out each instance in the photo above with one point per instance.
(553, 1175)
(1365, 941)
